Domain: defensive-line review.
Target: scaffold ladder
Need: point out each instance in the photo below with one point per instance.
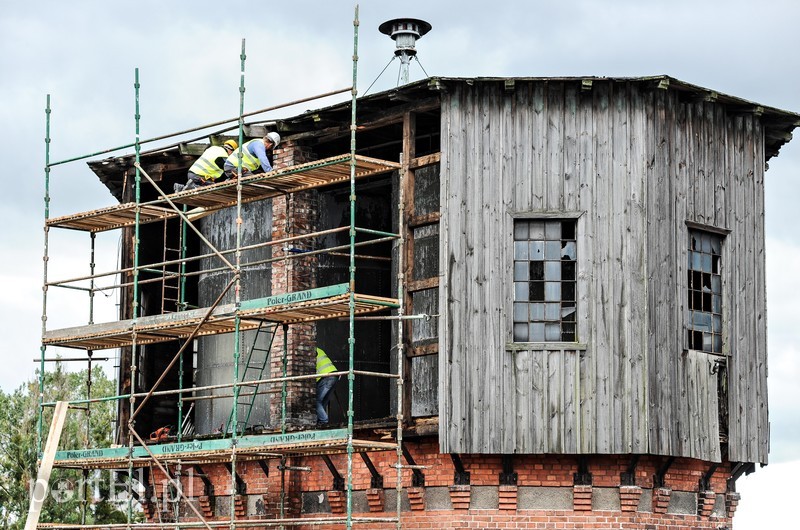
(253, 371)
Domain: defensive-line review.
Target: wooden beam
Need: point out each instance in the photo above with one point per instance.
(427, 160)
(40, 489)
(407, 210)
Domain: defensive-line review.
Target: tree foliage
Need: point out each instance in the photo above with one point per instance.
(18, 449)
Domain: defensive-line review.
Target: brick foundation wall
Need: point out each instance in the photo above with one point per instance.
(544, 497)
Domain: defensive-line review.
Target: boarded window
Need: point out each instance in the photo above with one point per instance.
(704, 292)
(545, 275)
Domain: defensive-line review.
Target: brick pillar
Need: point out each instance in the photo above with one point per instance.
(460, 497)
(240, 505)
(337, 501)
(206, 505)
(731, 502)
(629, 498)
(582, 498)
(705, 503)
(661, 499)
(416, 498)
(294, 215)
(375, 499)
(507, 496)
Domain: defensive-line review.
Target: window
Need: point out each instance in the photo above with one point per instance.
(704, 292)
(545, 272)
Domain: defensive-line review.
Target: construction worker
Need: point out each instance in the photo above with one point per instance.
(208, 169)
(324, 386)
(254, 154)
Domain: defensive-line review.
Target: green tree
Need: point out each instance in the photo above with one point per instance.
(83, 428)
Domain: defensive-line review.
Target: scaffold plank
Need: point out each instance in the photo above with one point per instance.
(223, 195)
(302, 306)
(298, 443)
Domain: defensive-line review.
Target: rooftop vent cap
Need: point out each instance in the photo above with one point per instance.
(405, 32)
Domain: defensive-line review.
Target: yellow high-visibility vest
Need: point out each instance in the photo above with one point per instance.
(324, 364)
(205, 166)
(249, 160)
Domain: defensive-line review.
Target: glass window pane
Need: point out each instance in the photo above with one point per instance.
(707, 342)
(520, 230)
(552, 250)
(536, 250)
(521, 250)
(716, 304)
(568, 250)
(536, 230)
(521, 290)
(521, 271)
(706, 239)
(567, 313)
(552, 230)
(716, 284)
(552, 271)
(697, 261)
(536, 312)
(706, 263)
(716, 324)
(717, 343)
(702, 321)
(521, 332)
(716, 246)
(520, 312)
(552, 331)
(536, 332)
(552, 291)
(552, 311)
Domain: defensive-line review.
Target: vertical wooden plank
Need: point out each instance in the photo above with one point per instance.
(587, 293)
(602, 280)
(554, 150)
(537, 181)
(41, 487)
(407, 211)
(571, 186)
(637, 262)
(761, 298)
(523, 399)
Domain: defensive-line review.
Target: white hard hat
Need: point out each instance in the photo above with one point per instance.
(273, 137)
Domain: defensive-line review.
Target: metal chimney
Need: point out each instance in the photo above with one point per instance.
(405, 32)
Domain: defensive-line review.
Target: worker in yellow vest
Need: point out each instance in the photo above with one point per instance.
(325, 384)
(253, 156)
(208, 169)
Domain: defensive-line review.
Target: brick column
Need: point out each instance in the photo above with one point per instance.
(460, 497)
(661, 499)
(206, 506)
(629, 498)
(337, 501)
(375, 499)
(582, 498)
(416, 498)
(705, 503)
(294, 215)
(731, 502)
(240, 505)
(507, 497)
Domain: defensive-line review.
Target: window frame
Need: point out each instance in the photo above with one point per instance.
(721, 234)
(513, 345)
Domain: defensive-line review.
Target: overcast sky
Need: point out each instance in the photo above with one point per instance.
(84, 53)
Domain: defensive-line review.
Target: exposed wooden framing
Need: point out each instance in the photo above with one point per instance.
(419, 285)
(427, 160)
(426, 349)
(407, 180)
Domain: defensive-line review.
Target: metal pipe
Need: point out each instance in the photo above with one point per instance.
(67, 359)
(45, 260)
(352, 296)
(201, 127)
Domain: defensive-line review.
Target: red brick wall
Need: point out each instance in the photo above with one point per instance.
(292, 216)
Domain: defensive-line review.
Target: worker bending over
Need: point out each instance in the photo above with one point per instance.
(325, 384)
(208, 169)
(254, 155)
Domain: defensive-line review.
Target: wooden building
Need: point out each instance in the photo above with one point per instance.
(586, 256)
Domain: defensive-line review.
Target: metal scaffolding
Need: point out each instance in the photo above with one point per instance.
(233, 446)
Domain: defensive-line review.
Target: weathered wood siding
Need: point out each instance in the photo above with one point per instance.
(634, 163)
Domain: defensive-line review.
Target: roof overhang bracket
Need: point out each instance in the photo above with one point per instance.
(376, 480)
(461, 475)
(628, 478)
(705, 481)
(658, 478)
(508, 477)
(241, 485)
(417, 478)
(338, 480)
(582, 477)
(741, 468)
